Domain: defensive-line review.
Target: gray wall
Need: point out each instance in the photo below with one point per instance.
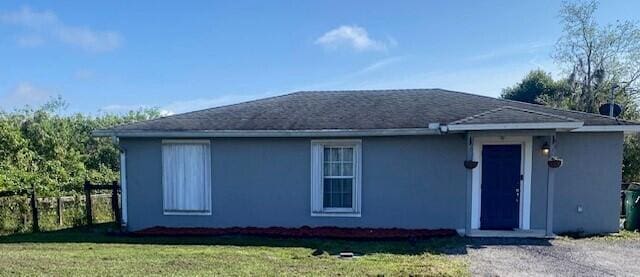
(408, 182)
(590, 176)
(539, 174)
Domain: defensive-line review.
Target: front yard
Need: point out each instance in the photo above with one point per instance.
(92, 252)
(85, 251)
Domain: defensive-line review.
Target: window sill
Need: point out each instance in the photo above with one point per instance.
(335, 214)
(187, 213)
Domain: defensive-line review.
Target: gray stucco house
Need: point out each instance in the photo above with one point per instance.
(378, 159)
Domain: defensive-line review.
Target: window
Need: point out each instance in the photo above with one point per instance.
(186, 177)
(337, 177)
(335, 184)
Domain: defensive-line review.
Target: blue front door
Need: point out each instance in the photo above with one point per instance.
(500, 192)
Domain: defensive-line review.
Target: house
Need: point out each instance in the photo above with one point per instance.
(414, 159)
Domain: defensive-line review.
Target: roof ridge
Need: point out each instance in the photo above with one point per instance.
(543, 113)
(173, 116)
(270, 98)
(370, 90)
(540, 106)
(468, 118)
(462, 120)
(406, 107)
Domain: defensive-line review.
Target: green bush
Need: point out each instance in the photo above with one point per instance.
(56, 151)
(15, 214)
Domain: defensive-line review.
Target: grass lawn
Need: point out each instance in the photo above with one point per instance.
(91, 252)
(622, 235)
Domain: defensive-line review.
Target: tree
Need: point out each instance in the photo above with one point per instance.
(536, 85)
(57, 152)
(631, 159)
(594, 59)
(597, 57)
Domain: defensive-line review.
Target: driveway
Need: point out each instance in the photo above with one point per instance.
(559, 257)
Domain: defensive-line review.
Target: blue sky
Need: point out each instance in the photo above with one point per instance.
(115, 56)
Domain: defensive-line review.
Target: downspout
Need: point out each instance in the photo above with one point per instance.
(550, 187)
(123, 183)
(469, 190)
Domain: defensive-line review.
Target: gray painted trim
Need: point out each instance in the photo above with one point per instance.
(526, 127)
(609, 128)
(534, 133)
(516, 126)
(268, 133)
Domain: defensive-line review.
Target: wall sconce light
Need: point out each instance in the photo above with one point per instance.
(546, 149)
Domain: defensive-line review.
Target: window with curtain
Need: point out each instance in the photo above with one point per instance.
(186, 176)
(335, 171)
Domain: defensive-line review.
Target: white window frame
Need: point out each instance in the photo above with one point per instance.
(207, 180)
(317, 178)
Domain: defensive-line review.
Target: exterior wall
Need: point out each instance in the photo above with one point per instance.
(407, 182)
(590, 176)
(539, 174)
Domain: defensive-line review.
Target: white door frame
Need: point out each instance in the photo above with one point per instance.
(526, 143)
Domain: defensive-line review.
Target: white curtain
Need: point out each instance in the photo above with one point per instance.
(186, 177)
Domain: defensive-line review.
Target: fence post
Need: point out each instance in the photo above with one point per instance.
(60, 210)
(34, 209)
(114, 203)
(87, 194)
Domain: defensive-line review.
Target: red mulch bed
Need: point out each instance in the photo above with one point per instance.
(302, 232)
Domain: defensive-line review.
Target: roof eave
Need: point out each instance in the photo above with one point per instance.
(267, 133)
(560, 126)
(516, 126)
(627, 129)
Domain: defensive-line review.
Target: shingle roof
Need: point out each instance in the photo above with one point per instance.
(508, 114)
(362, 110)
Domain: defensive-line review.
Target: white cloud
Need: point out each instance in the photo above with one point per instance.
(354, 37)
(188, 105)
(485, 80)
(364, 74)
(83, 74)
(380, 64)
(118, 109)
(30, 41)
(528, 48)
(204, 103)
(25, 93)
(47, 24)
